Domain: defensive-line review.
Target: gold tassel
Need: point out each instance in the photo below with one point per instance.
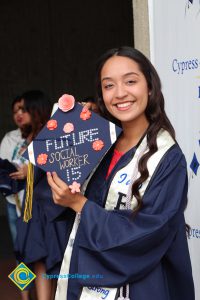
(29, 193)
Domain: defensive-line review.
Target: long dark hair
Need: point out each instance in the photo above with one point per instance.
(38, 105)
(155, 111)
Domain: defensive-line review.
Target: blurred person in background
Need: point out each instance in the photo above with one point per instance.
(31, 111)
(11, 145)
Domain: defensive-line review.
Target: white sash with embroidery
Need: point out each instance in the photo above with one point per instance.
(121, 183)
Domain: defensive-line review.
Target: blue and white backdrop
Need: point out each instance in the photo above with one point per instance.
(175, 52)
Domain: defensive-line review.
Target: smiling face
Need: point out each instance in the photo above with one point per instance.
(124, 90)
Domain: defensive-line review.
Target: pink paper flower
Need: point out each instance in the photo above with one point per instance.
(52, 124)
(68, 127)
(66, 102)
(97, 145)
(85, 114)
(75, 187)
(42, 159)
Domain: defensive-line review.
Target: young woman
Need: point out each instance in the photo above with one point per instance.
(31, 110)
(129, 234)
(10, 147)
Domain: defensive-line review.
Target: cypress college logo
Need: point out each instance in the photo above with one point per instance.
(194, 165)
(22, 276)
(195, 162)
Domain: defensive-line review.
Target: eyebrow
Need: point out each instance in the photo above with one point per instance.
(125, 75)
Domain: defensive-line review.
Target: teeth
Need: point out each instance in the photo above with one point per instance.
(123, 104)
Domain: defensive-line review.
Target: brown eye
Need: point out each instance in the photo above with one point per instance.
(130, 82)
(108, 86)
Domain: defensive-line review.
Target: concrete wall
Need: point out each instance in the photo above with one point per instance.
(141, 26)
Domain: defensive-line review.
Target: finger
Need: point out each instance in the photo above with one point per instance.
(13, 174)
(91, 106)
(57, 191)
(52, 184)
(95, 108)
(54, 197)
(88, 105)
(16, 178)
(16, 175)
(59, 182)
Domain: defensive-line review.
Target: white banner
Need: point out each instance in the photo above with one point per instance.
(175, 52)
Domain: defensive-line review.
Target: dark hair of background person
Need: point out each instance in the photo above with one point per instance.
(89, 99)
(39, 106)
(15, 100)
(155, 111)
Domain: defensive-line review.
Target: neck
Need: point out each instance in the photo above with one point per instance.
(29, 138)
(132, 133)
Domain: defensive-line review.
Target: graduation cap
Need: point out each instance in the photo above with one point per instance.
(72, 142)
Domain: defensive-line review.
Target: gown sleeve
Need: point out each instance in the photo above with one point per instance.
(43, 194)
(123, 248)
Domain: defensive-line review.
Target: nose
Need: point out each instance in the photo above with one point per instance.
(20, 111)
(120, 91)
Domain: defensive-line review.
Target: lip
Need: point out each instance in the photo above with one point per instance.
(123, 106)
(20, 120)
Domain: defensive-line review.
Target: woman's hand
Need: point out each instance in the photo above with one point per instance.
(91, 106)
(20, 174)
(62, 194)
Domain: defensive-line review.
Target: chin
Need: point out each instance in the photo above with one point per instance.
(19, 125)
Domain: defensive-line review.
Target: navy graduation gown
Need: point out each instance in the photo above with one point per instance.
(41, 239)
(149, 251)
